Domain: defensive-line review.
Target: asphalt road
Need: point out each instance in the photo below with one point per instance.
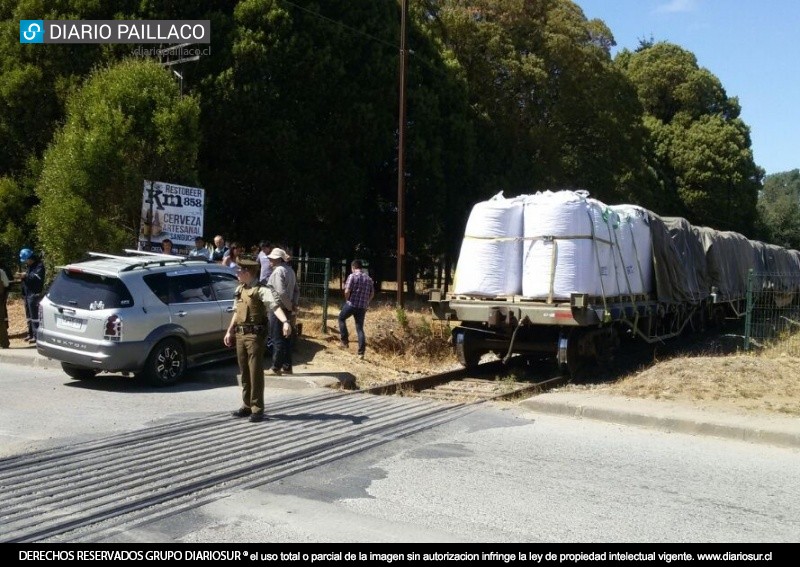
(112, 461)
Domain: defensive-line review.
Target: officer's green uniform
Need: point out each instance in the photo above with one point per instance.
(250, 325)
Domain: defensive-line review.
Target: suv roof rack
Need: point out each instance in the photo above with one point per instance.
(154, 258)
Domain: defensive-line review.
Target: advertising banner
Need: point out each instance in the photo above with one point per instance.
(171, 212)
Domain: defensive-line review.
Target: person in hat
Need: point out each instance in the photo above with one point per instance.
(254, 305)
(200, 249)
(283, 282)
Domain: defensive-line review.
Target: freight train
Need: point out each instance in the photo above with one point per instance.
(561, 273)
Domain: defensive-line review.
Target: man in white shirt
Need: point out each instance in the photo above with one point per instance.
(266, 266)
(200, 249)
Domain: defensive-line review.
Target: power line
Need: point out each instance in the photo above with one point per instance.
(340, 24)
(410, 52)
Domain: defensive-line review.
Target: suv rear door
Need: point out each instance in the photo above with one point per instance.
(192, 305)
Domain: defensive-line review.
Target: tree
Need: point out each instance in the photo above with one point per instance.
(547, 106)
(126, 124)
(554, 111)
(298, 119)
(779, 209)
(35, 82)
(15, 218)
(699, 147)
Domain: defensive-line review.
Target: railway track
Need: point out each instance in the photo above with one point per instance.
(488, 382)
(95, 490)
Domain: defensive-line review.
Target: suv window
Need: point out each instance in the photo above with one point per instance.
(89, 291)
(159, 285)
(224, 285)
(189, 288)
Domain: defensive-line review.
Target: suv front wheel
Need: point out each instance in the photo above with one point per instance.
(166, 364)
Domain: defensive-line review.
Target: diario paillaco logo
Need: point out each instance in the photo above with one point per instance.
(31, 31)
(115, 31)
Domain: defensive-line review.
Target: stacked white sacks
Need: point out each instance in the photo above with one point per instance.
(635, 249)
(569, 242)
(490, 261)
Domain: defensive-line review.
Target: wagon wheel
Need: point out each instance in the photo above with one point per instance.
(606, 346)
(578, 364)
(467, 355)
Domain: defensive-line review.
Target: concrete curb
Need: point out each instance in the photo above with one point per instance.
(27, 356)
(670, 417)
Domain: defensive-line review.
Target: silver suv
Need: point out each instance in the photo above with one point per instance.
(148, 314)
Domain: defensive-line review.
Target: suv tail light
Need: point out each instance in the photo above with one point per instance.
(41, 316)
(113, 328)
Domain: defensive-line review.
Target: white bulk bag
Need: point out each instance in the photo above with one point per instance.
(607, 260)
(635, 249)
(490, 261)
(567, 247)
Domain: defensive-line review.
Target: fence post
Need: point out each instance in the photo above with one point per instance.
(327, 279)
(748, 314)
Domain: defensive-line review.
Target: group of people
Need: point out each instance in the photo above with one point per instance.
(221, 253)
(265, 307)
(265, 310)
(32, 283)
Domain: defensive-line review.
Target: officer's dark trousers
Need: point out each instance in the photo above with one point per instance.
(250, 355)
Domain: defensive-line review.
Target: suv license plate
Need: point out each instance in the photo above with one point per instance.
(65, 322)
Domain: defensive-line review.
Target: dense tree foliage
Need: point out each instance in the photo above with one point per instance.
(700, 148)
(290, 122)
(299, 124)
(779, 209)
(127, 123)
(554, 111)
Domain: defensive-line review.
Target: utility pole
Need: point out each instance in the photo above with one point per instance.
(166, 56)
(401, 231)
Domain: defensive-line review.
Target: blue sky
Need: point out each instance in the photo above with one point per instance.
(752, 47)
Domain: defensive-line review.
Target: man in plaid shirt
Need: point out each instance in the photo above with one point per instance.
(358, 292)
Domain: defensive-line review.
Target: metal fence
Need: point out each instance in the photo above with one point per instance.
(773, 311)
(313, 277)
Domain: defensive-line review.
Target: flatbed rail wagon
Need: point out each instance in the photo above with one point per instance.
(564, 275)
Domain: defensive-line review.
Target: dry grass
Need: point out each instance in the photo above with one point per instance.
(17, 326)
(764, 382)
(400, 343)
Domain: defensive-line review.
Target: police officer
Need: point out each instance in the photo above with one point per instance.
(32, 286)
(248, 329)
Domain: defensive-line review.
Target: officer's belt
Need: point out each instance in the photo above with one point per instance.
(247, 329)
